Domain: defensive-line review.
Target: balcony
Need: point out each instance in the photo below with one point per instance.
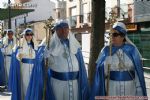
(80, 20)
(73, 21)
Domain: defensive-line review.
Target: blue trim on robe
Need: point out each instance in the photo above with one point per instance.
(2, 69)
(35, 87)
(65, 76)
(28, 61)
(14, 77)
(36, 84)
(82, 81)
(98, 87)
(49, 89)
(132, 53)
(122, 75)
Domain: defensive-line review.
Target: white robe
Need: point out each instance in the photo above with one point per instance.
(26, 69)
(123, 88)
(62, 63)
(63, 59)
(7, 51)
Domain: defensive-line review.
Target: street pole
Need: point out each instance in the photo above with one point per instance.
(48, 26)
(9, 14)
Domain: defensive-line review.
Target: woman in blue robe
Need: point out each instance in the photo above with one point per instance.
(25, 62)
(126, 72)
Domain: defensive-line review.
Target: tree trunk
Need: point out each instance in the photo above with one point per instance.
(97, 35)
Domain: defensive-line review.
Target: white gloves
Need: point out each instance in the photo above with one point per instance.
(46, 53)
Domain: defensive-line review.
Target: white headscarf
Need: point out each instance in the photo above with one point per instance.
(55, 47)
(120, 27)
(5, 40)
(23, 42)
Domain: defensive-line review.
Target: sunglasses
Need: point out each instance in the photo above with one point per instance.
(117, 34)
(29, 34)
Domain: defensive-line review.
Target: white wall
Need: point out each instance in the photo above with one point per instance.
(112, 3)
(43, 10)
(86, 46)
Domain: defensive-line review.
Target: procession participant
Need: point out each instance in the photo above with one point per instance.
(126, 70)
(67, 78)
(36, 84)
(26, 55)
(8, 43)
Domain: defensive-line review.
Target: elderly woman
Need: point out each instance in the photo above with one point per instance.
(26, 55)
(126, 72)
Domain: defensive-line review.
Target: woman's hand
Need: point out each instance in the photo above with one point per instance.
(20, 56)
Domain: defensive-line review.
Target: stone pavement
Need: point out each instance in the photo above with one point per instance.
(5, 96)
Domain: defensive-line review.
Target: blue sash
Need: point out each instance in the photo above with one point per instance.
(29, 61)
(8, 55)
(64, 75)
(122, 75)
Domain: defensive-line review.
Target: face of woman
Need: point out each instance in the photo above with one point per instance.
(117, 38)
(28, 36)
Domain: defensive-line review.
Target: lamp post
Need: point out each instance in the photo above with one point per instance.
(9, 14)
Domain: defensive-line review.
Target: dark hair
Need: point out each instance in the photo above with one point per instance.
(124, 40)
(32, 43)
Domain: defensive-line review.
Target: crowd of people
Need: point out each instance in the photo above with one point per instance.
(23, 63)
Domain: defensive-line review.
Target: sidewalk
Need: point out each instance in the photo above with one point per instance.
(5, 96)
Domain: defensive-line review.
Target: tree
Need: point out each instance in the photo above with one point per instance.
(97, 36)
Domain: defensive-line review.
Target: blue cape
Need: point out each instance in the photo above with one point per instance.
(82, 81)
(35, 88)
(98, 87)
(14, 85)
(36, 85)
(2, 69)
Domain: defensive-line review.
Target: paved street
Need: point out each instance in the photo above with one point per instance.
(147, 80)
(5, 96)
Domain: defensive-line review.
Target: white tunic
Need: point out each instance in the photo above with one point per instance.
(65, 62)
(26, 68)
(123, 88)
(7, 51)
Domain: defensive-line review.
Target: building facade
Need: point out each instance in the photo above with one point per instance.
(142, 10)
(43, 9)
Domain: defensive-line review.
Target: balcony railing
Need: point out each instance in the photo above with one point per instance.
(73, 21)
(78, 19)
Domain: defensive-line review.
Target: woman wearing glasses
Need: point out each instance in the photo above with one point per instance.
(26, 55)
(126, 72)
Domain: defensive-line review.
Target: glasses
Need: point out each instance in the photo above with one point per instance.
(117, 34)
(29, 34)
